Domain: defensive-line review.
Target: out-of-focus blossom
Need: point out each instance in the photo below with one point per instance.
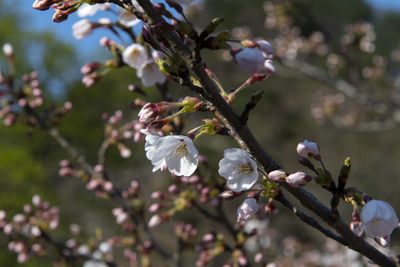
(379, 220)
(308, 149)
(82, 28)
(150, 74)
(247, 209)
(135, 56)
(154, 221)
(176, 153)
(8, 50)
(239, 169)
(90, 10)
(298, 179)
(127, 19)
(105, 247)
(94, 263)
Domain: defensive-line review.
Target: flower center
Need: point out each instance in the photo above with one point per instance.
(243, 168)
(181, 149)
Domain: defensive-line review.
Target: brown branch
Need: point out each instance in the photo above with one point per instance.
(310, 220)
(246, 139)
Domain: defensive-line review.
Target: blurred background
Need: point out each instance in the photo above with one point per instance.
(353, 41)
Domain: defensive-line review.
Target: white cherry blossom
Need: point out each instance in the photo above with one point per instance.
(250, 60)
(150, 74)
(126, 18)
(239, 169)
(247, 209)
(135, 56)
(379, 220)
(176, 153)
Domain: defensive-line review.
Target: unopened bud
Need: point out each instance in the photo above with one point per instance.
(298, 179)
(308, 149)
(277, 176)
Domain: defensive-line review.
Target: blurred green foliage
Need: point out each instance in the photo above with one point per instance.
(29, 164)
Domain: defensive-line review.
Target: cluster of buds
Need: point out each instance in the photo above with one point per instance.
(67, 169)
(116, 134)
(36, 219)
(27, 97)
(212, 245)
(360, 34)
(94, 71)
(98, 184)
(290, 42)
(326, 107)
(152, 112)
(186, 232)
(63, 8)
(174, 201)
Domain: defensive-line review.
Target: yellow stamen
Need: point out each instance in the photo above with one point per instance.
(181, 149)
(242, 168)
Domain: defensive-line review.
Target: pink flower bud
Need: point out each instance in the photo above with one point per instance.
(277, 176)
(308, 149)
(90, 67)
(298, 179)
(156, 207)
(42, 4)
(173, 189)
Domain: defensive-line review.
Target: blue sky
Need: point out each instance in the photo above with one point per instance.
(41, 20)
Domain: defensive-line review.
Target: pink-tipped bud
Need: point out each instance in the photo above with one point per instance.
(298, 179)
(277, 176)
(173, 189)
(156, 207)
(308, 149)
(90, 67)
(42, 4)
